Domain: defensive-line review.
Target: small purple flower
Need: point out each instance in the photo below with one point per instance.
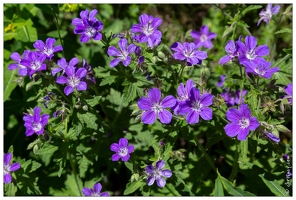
(183, 94)
(48, 97)
(122, 150)
(34, 62)
(266, 15)
(95, 192)
(35, 123)
(7, 167)
(286, 157)
(241, 122)
(141, 60)
(233, 98)
(88, 26)
(260, 68)
(197, 105)
(73, 79)
(273, 137)
(157, 174)
(203, 37)
(89, 72)
(188, 52)
(232, 50)
(222, 80)
(289, 91)
(147, 29)
(22, 69)
(48, 48)
(62, 63)
(155, 107)
(249, 52)
(122, 54)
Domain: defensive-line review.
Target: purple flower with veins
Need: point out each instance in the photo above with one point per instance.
(196, 106)
(241, 122)
(222, 80)
(89, 72)
(88, 26)
(22, 69)
(232, 50)
(8, 168)
(289, 91)
(183, 94)
(95, 192)
(122, 150)
(188, 52)
(233, 98)
(249, 52)
(273, 137)
(34, 62)
(35, 123)
(62, 63)
(147, 29)
(260, 68)
(157, 174)
(155, 107)
(203, 37)
(266, 15)
(48, 48)
(73, 79)
(122, 54)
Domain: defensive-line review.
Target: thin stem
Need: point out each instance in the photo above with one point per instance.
(235, 164)
(57, 24)
(173, 72)
(74, 172)
(241, 86)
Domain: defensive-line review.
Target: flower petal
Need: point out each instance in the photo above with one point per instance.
(242, 135)
(81, 86)
(206, 114)
(160, 182)
(70, 71)
(97, 188)
(127, 61)
(87, 192)
(7, 158)
(233, 115)
(232, 129)
(74, 61)
(150, 180)
(14, 166)
(104, 194)
(154, 95)
(262, 50)
(114, 147)
(194, 94)
(253, 124)
(115, 157)
(165, 116)
(166, 173)
(115, 62)
(125, 158)
(61, 80)
(68, 90)
(149, 169)
(122, 43)
(206, 99)
(159, 164)
(144, 103)
(7, 178)
(224, 60)
(168, 101)
(130, 149)
(123, 142)
(44, 119)
(251, 42)
(245, 111)
(81, 72)
(149, 117)
(192, 117)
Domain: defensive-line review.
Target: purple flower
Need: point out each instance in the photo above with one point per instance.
(286, 157)
(266, 15)
(196, 105)
(147, 29)
(232, 50)
(155, 107)
(22, 69)
(249, 52)
(89, 72)
(141, 60)
(48, 48)
(203, 37)
(95, 192)
(273, 137)
(7, 167)
(35, 123)
(62, 63)
(73, 79)
(34, 62)
(222, 80)
(260, 68)
(232, 98)
(241, 122)
(183, 94)
(122, 54)
(48, 97)
(122, 150)
(88, 26)
(157, 174)
(188, 52)
(289, 91)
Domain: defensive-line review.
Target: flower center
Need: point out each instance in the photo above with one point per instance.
(196, 105)
(6, 169)
(251, 55)
(147, 30)
(123, 55)
(203, 38)
(122, 152)
(90, 31)
(47, 51)
(157, 108)
(36, 126)
(35, 65)
(260, 70)
(73, 81)
(156, 173)
(244, 122)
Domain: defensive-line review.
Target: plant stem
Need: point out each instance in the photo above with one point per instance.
(235, 164)
(57, 24)
(74, 172)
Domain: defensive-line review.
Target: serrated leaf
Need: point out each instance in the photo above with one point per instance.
(218, 188)
(243, 24)
(132, 187)
(249, 8)
(243, 151)
(227, 31)
(83, 166)
(284, 30)
(274, 187)
(35, 165)
(109, 80)
(89, 119)
(130, 93)
(281, 78)
(47, 148)
(93, 101)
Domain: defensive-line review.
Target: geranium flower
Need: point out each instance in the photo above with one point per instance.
(157, 174)
(203, 37)
(122, 150)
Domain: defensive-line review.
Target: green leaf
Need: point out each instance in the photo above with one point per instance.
(35, 165)
(243, 151)
(249, 8)
(281, 78)
(227, 31)
(109, 80)
(243, 24)
(89, 119)
(83, 166)
(47, 148)
(129, 166)
(71, 185)
(27, 33)
(93, 101)
(131, 187)
(218, 188)
(9, 82)
(130, 93)
(9, 36)
(284, 30)
(274, 187)
(55, 34)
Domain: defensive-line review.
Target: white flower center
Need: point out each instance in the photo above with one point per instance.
(147, 30)
(260, 71)
(251, 55)
(157, 108)
(73, 81)
(196, 105)
(35, 65)
(36, 126)
(6, 169)
(48, 51)
(244, 122)
(203, 38)
(157, 173)
(123, 55)
(122, 152)
(90, 31)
